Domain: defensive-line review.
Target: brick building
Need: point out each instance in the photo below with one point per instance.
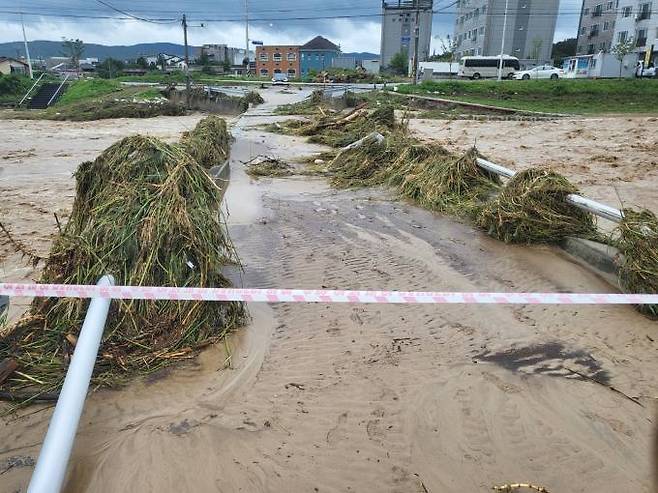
(272, 60)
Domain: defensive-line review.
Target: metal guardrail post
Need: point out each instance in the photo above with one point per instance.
(50, 471)
(30, 89)
(57, 91)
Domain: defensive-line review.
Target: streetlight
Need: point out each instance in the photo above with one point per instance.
(502, 44)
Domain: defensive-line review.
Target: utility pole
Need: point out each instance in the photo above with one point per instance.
(416, 40)
(187, 64)
(502, 44)
(246, 36)
(27, 50)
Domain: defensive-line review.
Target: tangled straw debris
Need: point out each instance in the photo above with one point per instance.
(637, 241)
(268, 166)
(254, 98)
(209, 143)
(532, 209)
(148, 213)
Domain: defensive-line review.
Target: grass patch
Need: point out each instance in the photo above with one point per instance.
(561, 96)
(13, 88)
(86, 89)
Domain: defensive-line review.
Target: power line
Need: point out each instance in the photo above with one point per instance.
(154, 21)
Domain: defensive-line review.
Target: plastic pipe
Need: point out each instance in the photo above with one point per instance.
(50, 471)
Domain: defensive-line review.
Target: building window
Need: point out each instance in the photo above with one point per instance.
(626, 11)
(583, 30)
(263, 57)
(292, 72)
(277, 57)
(610, 6)
(597, 11)
(606, 26)
(645, 12)
(622, 36)
(292, 57)
(277, 70)
(264, 72)
(641, 37)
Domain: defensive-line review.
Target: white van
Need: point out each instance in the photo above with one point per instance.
(478, 67)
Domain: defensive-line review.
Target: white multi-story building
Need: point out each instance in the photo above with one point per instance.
(638, 20)
(528, 35)
(597, 26)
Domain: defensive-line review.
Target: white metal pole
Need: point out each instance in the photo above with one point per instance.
(246, 34)
(27, 50)
(50, 471)
(502, 44)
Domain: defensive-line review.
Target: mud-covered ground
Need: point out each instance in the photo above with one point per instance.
(354, 397)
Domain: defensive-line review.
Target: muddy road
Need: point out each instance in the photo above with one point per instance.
(339, 398)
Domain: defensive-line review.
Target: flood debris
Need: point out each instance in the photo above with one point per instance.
(209, 142)
(261, 166)
(149, 214)
(254, 98)
(532, 208)
(637, 240)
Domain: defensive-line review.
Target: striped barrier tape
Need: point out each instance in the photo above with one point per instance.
(319, 296)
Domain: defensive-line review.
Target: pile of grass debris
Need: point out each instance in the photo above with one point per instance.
(637, 241)
(532, 209)
(262, 166)
(341, 130)
(113, 108)
(254, 98)
(209, 143)
(313, 105)
(147, 213)
(428, 174)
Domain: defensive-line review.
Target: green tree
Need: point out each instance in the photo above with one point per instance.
(449, 47)
(226, 65)
(109, 68)
(73, 48)
(400, 63)
(621, 49)
(563, 49)
(162, 62)
(142, 63)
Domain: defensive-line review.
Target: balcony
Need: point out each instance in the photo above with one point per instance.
(643, 16)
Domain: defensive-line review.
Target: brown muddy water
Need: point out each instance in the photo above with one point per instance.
(365, 397)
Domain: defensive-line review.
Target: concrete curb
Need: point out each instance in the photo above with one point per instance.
(602, 258)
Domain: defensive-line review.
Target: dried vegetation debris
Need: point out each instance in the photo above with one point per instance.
(148, 213)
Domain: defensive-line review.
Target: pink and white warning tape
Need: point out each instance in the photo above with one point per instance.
(319, 296)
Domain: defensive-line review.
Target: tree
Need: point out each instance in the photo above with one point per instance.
(400, 63)
(563, 49)
(621, 49)
(449, 47)
(226, 65)
(142, 63)
(162, 62)
(109, 68)
(535, 53)
(73, 48)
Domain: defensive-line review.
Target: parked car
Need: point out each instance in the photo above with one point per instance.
(540, 72)
(280, 79)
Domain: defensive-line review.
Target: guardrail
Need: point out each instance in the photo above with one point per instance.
(30, 89)
(584, 203)
(57, 91)
(50, 471)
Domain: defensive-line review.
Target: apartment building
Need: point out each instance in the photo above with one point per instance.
(597, 26)
(528, 35)
(272, 60)
(638, 20)
(399, 25)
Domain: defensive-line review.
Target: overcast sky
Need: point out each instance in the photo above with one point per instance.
(357, 30)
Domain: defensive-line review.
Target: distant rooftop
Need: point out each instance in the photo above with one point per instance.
(320, 43)
(407, 4)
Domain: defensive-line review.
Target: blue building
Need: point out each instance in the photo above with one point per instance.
(318, 54)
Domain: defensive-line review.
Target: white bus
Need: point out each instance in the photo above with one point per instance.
(477, 67)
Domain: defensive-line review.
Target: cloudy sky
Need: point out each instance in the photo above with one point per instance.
(355, 25)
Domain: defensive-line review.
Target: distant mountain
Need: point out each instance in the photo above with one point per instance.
(45, 49)
(364, 55)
